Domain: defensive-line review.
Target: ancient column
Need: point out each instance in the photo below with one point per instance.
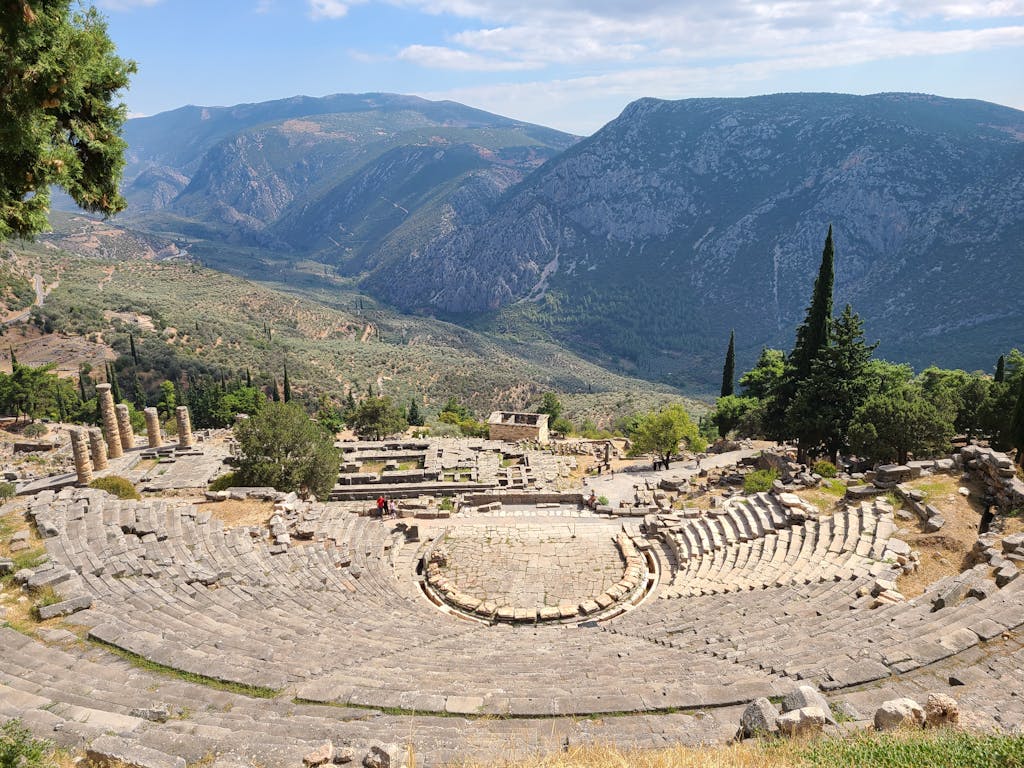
(98, 449)
(184, 427)
(124, 427)
(153, 427)
(110, 431)
(80, 449)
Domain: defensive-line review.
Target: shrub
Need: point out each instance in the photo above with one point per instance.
(824, 468)
(282, 447)
(7, 491)
(116, 486)
(18, 749)
(36, 429)
(760, 480)
(602, 500)
(222, 483)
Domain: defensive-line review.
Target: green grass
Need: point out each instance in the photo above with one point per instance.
(141, 662)
(833, 488)
(934, 749)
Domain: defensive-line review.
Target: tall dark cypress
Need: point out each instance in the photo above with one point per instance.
(14, 358)
(131, 343)
(812, 335)
(729, 371)
(1001, 369)
(274, 394)
(248, 378)
(115, 390)
(287, 385)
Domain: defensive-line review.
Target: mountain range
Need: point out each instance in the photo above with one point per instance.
(640, 246)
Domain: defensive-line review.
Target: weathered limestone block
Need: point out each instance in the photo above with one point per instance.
(153, 428)
(111, 433)
(941, 710)
(385, 756)
(806, 696)
(110, 750)
(759, 718)
(896, 713)
(319, 756)
(124, 427)
(801, 722)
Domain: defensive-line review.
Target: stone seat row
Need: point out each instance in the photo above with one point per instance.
(77, 697)
(843, 546)
(740, 520)
(186, 597)
(828, 632)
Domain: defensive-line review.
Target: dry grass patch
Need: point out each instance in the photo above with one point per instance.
(945, 552)
(826, 497)
(235, 514)
(747, 755)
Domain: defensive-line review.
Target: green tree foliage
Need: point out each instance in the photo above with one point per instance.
(729, 369)
(731, 411)
(551, 405)
(1016, 438)
(453, 412)
(898, 421)
(1000, 369)
(211, 406)
(413, 416)
(821, 412)
(59, 125)
(376, 418)
(760, 481)
(36, 392)
(282, 447)
(811, 336)
(287, 386)
(661, 432)
(18, 749)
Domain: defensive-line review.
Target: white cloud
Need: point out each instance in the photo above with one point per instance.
(440, 57)
(328, 9)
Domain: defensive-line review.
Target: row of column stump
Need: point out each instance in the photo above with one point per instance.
(93, 447)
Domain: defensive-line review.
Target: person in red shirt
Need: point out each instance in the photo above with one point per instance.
(381, 502)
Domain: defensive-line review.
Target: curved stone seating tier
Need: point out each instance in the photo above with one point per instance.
(826, 632)
(847, 545)
(530, 573)
(334, 621)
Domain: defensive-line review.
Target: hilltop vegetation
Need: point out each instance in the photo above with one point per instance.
(187, 321)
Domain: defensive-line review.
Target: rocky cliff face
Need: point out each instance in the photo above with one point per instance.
(685, 219)
(343, 178)
(641, 246)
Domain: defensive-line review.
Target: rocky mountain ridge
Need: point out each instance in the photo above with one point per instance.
(640, 246)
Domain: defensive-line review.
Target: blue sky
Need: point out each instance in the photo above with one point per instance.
(569, 64)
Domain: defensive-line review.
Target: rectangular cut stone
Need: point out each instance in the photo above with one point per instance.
(463, 705)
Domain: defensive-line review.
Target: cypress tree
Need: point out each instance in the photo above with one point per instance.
(729, 371)
(14, 358)
(248, 378)
(287, 385)
(1001, 369)
(131, 343)
(414, 417)
(115, 390)
(274, 394)
(81, 384)
(812, 335)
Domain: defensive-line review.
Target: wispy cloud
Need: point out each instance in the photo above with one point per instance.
(440, 57)
(328, 9)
